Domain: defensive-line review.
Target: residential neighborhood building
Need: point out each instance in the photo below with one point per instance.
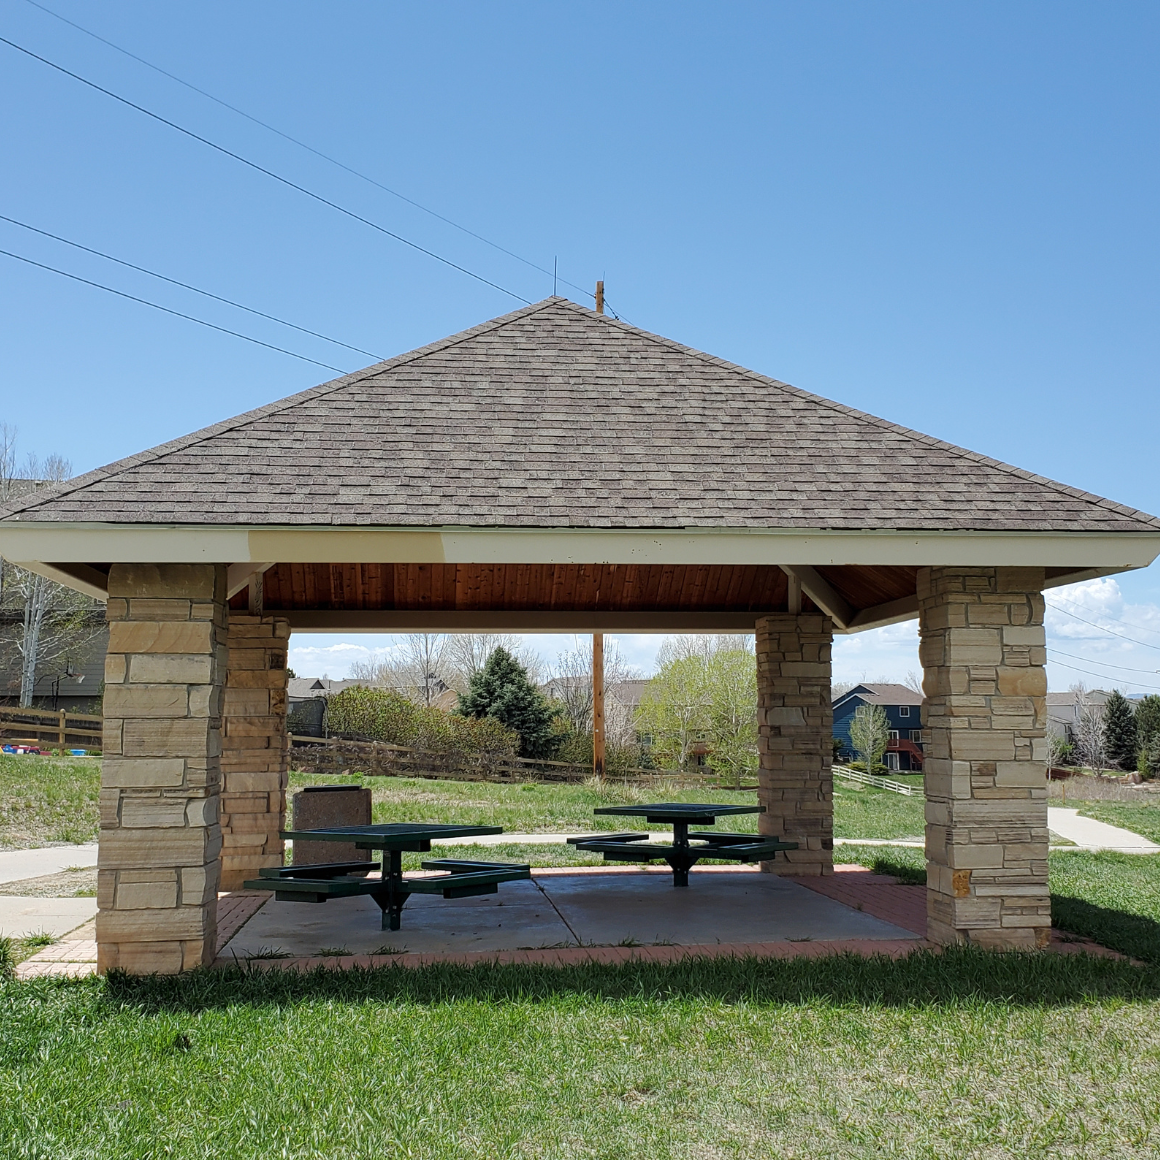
(903, 708)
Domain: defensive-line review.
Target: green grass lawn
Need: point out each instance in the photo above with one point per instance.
(964, 1054)
(48, 799)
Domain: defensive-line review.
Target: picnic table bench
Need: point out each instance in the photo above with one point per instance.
(682, 854)
(390, 889)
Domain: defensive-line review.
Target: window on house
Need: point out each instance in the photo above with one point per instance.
(904, 710)
(892, 761)
(892, 734)
(916, 735)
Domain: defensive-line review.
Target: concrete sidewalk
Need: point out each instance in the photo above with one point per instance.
(1088, 834)
(16, 865)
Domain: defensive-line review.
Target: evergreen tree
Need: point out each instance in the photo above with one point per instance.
(502, 690)
(1148, 721)
(1120, 731)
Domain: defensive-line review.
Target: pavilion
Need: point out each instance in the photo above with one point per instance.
(558, 470)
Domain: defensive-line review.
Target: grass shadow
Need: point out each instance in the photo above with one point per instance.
(1120, 930)
(955, 976)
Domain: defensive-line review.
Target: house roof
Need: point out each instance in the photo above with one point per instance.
(882, 695)
(554, 416)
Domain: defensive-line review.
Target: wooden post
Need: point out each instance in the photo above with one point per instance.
(256, 597)
(599, 297)
(793, 598)
(63, 716)
(598, 703)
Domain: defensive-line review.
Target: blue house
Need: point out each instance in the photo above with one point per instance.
(903, 713)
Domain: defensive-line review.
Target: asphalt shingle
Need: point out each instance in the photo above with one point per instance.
(554, 416)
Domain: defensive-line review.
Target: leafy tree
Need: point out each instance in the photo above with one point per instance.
(503, 691)
(703, 694)
(1120, 731)
(1148, 722)
(870, 734)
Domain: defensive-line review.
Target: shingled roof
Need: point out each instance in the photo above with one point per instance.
(554, 416)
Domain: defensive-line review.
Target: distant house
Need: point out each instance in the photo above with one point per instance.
(903, 715)
(1064, 709)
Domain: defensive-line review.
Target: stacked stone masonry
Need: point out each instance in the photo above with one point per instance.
(795, 723)
(254, 747)
(983, 655)
(160, 836)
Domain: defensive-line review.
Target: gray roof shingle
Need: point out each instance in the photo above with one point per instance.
(554, 416)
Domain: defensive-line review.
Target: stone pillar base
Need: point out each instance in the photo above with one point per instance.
(983, 655)
(795, 723)
(160, 837)
(254, 747)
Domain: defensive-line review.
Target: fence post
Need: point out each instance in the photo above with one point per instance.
(63, 716)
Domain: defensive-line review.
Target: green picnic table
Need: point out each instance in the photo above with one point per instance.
(682, 855)
(390, 890)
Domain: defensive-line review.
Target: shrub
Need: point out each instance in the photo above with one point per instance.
(384, 715)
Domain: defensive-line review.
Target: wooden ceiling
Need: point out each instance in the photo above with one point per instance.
(661, 597)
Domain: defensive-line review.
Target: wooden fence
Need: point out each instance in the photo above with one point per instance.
(382, 759)
(50, 726)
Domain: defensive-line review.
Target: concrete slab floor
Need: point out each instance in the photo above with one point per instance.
(568, 910)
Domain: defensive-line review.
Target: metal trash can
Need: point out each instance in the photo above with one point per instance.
(318, 806)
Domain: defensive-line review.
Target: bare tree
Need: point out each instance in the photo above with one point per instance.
(703, 646)
(50, 623)
(467, 653)
(418, 667)
(571, 686)
(870, 734)
(1090, 746)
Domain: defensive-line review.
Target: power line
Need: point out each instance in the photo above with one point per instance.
(1126, 623)
(1102, 664)
(268, 172)
(1103, 676)
(309, 148)
(187, 286)
(1111, 632)
(175, 313)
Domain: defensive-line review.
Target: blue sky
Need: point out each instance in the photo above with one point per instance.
(942, 214)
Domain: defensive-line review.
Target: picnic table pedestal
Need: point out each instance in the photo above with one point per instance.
(318, 882)
(682, 855)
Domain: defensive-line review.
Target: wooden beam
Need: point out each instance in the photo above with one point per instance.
(892, 612)
(79, 577)
(598, 704)
(483, 620)
(239, 576)
(819, 591)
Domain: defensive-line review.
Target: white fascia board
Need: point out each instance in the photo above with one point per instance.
(128, 543)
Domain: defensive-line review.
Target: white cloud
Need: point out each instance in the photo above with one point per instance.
(1096, 636)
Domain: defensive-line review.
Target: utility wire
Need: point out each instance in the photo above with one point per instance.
(1125, 623)
(1104, 676)
(1111, 632)
(187, 286)
(268, 172)
(309, 148)
(1103, 664)
(175, 313)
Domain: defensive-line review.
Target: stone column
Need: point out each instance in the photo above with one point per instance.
(795, 724)
(160, 839)
(983, 657)
(254, 747)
